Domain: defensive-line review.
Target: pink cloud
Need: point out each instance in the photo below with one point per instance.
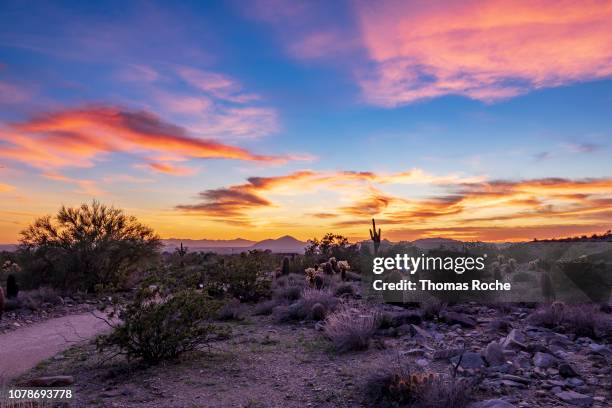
(218, 85)
(78, 137)
(485, 50)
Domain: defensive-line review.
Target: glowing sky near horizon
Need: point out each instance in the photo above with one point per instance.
(476, 120)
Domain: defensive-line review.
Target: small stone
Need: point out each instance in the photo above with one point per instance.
(575, 398)
(414, 352)
(514, 339)
(493, 403)
(600, 349)
(494, 354)
(446, 353)
(543, 360)
(566, 370)
(460, 319)
(422, 362)
(469, 360)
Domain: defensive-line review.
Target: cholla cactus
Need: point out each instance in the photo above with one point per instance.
(327, 268)
(334, 264)
(344, 267)
(406, 386)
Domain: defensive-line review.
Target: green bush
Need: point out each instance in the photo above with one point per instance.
(156, 328)
(85, 247)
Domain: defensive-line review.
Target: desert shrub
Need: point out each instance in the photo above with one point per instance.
(524, 277)
(86, 246)
(34, 299)
(582, 320)
(392, 388)
(303, 308)
(432, 308)
(332, 246)
(293, 279)
(351, 328)
(265, 308)
(155, 328)
(318, 312)
(288, 293)
(345, 289)
(232, 310)
(244, 277)
(352, 276)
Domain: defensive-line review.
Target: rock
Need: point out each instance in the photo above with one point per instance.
(494, 354)
(510, 383)
(445, 354)
(516, 378)
(575, 398)
(543, 360)
(493, 403)
(514, 339)
(574, 382)
(417, 331)
(469, 360)
(414, 352)
(401, 318)
(460, 319)
(499, 325)
(54, 381)
(600, 349)
(421, 362)
(566, 370)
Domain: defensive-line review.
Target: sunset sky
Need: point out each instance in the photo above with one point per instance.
(476, 120)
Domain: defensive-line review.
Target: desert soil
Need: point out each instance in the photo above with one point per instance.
(25, 347)
(265, 364)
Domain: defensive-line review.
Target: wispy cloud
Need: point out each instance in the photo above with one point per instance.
(79, 137)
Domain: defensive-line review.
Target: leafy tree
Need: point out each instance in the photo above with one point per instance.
(86, 248)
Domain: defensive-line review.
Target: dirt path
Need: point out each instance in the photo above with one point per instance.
(22, 349)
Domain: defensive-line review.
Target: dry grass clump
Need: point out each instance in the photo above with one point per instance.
(345, 289)
(265, 308)
(288, 293)
(388, 388)
(293, 279)
(303, 308)
(34, 299)
(432, 309)
(351, 328)
(232, 310)
(582, 320)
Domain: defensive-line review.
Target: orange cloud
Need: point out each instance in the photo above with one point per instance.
(6, 188)
(486, 50)
(78, 137)
(169, 169)
(460, 208)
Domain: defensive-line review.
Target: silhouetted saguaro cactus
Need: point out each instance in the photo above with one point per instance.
(12, 289)
(285, 266)
(375, 236)
(548, 291)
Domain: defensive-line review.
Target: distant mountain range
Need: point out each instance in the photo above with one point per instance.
(284, 244)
